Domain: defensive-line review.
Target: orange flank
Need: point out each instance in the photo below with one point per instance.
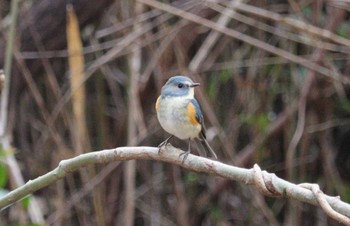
(191, 112)
(157, 103)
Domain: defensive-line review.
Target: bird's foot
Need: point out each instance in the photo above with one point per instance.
(163, 144)
(185, 155)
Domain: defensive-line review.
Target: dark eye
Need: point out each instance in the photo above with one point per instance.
(180, 85)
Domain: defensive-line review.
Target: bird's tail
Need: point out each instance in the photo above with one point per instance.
(207, 147)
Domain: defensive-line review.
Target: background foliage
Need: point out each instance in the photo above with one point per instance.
(274, 90)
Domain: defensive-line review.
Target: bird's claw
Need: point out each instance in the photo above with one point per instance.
(185, 154)
(160, 146)
(164, 143)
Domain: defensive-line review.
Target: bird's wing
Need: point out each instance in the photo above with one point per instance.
(195, 114)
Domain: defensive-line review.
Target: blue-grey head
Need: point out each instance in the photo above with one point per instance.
(179, 86)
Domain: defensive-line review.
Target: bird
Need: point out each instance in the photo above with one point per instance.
(179, 113)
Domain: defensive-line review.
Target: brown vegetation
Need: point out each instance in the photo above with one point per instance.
(274, 91)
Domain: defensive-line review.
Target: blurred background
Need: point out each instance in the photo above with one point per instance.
(85, 76)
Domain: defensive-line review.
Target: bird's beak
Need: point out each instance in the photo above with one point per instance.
(194, 84)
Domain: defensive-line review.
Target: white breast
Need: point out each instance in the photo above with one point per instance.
(172, 116)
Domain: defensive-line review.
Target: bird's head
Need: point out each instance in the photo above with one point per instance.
(179, 86)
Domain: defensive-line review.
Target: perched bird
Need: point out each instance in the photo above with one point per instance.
(179, 113)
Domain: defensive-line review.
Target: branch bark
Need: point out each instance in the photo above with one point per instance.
(267, 183)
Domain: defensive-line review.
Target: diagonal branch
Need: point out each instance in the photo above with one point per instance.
(267, 183)
(243, 37)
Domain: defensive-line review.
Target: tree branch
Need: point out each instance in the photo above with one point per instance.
(267, 183)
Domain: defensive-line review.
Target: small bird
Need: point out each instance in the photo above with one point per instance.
(179, 113)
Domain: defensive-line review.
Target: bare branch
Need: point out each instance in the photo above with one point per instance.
(324, 204)
(267, 183)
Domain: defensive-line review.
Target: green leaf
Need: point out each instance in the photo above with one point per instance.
(343, 30)
(216, 80)
(261, 121)
(25, 201)
(216, 213)
(4, 153)
(307, 11)
(213, 88)
(225, 76)
(3, 175)
(347, 194)
(191, 178)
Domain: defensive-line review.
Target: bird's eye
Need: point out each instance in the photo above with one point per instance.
(180, 85)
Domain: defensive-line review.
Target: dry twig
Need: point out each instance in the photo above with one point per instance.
(242, 37)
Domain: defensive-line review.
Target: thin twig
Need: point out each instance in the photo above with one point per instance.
(315, 188)
(305, 90)
(294, 23)
(135, 122)
(34, 211)
(299, 36)
(242, 37)
(212, 38)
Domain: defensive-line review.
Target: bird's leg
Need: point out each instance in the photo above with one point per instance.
(164, 143)
(186, 153)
